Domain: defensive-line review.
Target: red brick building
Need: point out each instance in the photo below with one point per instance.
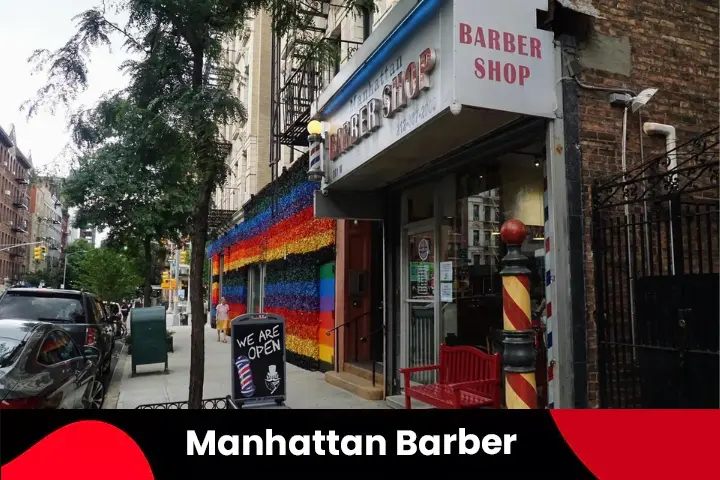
(14, 203)
(671, 46)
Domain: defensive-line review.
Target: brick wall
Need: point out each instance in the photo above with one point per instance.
(668, 44)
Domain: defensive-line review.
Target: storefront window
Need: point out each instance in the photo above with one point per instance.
(255, 293)
(472, 249)
(419, 204)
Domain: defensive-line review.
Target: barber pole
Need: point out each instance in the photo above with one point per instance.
(548, 302)
(316, 170)
(519, 356)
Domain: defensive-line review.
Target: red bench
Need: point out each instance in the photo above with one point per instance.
(467, 378)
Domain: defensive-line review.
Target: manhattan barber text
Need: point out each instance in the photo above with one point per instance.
(407, 442)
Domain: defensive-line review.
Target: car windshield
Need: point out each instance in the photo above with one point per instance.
(45, 307)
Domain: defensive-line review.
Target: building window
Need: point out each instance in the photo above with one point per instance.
(476, 212)
(489, 217)
(477, 259)
(256, 284)
(476, 238)
(488, 239)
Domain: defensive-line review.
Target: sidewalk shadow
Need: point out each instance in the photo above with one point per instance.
(151, 373)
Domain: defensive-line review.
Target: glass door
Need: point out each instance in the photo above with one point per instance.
(420, 295)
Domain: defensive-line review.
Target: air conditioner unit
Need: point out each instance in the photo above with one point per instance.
(5, 164)
(8, 192)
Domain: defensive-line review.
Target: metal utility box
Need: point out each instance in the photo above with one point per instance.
(149, 337)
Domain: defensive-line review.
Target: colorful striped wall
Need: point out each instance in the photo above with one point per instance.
(215, 287)
(298, 251)
(326, 342)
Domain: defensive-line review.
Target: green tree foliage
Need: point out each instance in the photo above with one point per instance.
(74, 253)
(129, 181)
(108, 274)
(178, 89)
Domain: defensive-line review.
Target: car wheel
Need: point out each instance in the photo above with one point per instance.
(94, 395)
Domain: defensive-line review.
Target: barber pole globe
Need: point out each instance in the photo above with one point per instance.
(520, 387)
(247, 387)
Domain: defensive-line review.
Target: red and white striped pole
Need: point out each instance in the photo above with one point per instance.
(519, 353)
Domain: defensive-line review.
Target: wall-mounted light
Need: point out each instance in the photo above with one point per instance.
(315, 127)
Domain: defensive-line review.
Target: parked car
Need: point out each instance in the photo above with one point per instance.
(79, 312)
(41, 367)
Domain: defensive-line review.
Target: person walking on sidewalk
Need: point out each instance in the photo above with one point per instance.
(222, 316)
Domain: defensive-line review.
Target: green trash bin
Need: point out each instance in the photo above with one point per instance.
(149, 337)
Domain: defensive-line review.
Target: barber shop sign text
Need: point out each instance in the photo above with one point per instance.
(406, 85)
(508, 72)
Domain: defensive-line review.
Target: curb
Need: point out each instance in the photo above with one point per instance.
(112, 397)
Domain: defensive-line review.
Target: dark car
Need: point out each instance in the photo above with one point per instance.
(79, 312)
(42, 367)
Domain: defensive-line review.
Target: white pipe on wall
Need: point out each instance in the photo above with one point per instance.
(667, 131)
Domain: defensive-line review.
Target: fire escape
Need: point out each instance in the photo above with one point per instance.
(219, 76)
(300, 72)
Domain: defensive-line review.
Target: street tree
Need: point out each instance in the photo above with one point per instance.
(180, 76)
(73, 255)
(127, 180)
(108, 274)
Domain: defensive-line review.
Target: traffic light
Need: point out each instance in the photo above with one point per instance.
(37, 254)
(43, 249)
(185, 257)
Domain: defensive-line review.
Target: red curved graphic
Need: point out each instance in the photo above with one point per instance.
(87, 446)
(632, 444)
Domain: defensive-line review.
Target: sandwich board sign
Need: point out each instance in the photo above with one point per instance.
(258, 359)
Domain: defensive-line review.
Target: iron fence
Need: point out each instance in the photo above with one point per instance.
(224, 403)
(656, 264)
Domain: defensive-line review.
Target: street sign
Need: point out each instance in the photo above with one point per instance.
(258, 359)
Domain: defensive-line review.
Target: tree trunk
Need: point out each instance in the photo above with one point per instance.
(148, 270)
(197, 335)
(198, 240)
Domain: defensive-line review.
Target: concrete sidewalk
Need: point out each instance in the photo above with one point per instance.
(305, 389)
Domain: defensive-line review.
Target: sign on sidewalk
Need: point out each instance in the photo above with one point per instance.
(258, 358)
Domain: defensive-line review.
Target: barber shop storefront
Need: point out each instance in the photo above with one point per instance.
(438, 130)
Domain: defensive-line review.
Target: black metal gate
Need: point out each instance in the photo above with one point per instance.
(655, 255)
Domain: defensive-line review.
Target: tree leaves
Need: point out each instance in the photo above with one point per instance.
(108, 274)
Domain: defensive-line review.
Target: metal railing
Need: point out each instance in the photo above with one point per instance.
(224, 403)
(358, 340)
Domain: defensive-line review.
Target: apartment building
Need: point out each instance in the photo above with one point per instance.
(46, 218)
(15, 170)
(249, 53)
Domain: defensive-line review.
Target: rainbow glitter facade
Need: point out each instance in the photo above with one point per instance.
(298, 252)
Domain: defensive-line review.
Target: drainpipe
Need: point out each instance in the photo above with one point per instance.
(667, 131)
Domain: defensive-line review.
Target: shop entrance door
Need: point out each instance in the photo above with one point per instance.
(420, 345)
